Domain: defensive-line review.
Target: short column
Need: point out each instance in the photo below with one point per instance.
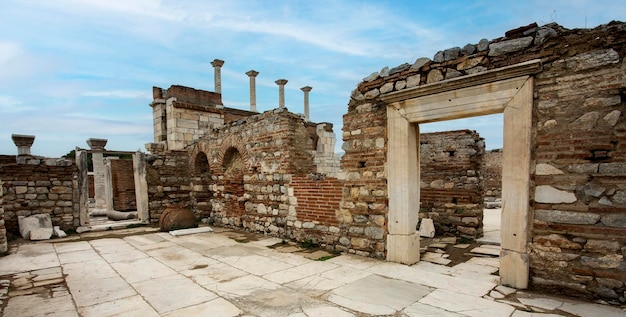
(217, 67)
(306, 90)
(23, 143)
(281, 92)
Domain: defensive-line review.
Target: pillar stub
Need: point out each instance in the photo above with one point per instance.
(23, 143)
(97, 144)
(306, 90)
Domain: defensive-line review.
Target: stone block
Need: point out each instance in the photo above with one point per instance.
(514, 269)
(40, 233)
(403, 249)
(569, 217)
(427, 228)
(550, 195)
(28, 224)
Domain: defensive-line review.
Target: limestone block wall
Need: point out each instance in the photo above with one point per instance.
(578, 164)
(492, 173)
(451, 189)
(325, 159)
(34, 185)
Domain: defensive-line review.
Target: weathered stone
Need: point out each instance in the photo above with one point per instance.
(427, 228)
(602, 102)
(609, 282)
(439, 58)
(451, 73)
(38, 221)
(602, 246)
(357, 95)
(482, 45)
(360, 243)
(606, 293)
(590, 168)
(504, 47)
(434, 76)
(569, 217)
(384, 72)
(591, 59)
(557, 241)
(619, 197)
(360, 218)
(544, 33)
(372, 93)
(612, 117)
(468, 49)
(371, 77)
(344, 241)
(451, 53)
(550, 195)
(420, 62)
(612, 168)
(547, 169)
(400, 84)
(40, 234)
(469, 63)
(586, 122)
(375, 232)
(260, 208)
(614, 220)
(593, 190)
(176, 217)
(609, 261)
(399, 68)
(387, 87)
(308, 225)
(413, 81)
(605, 202)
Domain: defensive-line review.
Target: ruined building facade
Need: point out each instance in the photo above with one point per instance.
(564, 160)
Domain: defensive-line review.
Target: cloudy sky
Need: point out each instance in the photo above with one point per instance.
(75, 69)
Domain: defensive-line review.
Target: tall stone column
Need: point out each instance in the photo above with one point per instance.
(97, 157)
(306, 90)
(281, 92)
(252, 74)
(23, 143)
(217, 66)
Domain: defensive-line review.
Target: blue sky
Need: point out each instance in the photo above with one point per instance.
(75, 69)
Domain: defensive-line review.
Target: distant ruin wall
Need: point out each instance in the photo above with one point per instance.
(577, 195)
(123, 183)
(3, 230)
(34, 185)
(451, 189)
(492, 173)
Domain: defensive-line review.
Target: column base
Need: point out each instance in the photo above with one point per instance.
(403, 249)
(514, 269)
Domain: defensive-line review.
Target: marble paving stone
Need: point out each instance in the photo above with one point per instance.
(345, 274)
(423, 310)
(124, 256)
(462, 246)
(287, 248)
(435, 258)
(470, 267)
(591, 310)
(493, 262)
(438, 245)
(377, 295)
(172, 292)
(545, 303)
(184, 232)
(505, 290)
(105, 242)
(466, 304)
(93, 291)
(72, 246)
(142, 269)
(230, 251)
(292, 259)
(521, 313)
(434, 280)
(78, 256)
(36, 305)
(354, 261)
(47, 274)
(267, 242)
(256, 264)
(214, 273)
(88, 270)
(180, 259)
(315, 283)
(119, 247)
(325, 311)
(218, 307)
(317, 254)
(29, 257)
(432, 267)
(298, 272)
(486, 251)
(242, 286)
(133, 306)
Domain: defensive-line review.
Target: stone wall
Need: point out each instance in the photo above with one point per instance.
(123, 183)
(578, 163)
(169, 182)
(451, 189)
(492, 174)
(3, 231)
(34, 185)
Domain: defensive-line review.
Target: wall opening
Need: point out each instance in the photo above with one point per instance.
(233, 182)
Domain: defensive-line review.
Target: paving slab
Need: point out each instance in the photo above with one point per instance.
(88, 270)
(324, 311)
(423, 310)
(78, 256)
(170, 293)
(36, 305)
(214, 273)
(242, 286)
(133, 306)
(72, 246)
(345, 274)
(377, 295)
(180, 259)
(315, 284)
(486, 251)
(435, 258)
(545, 303)
(29, 257)
(466, 304)
(94, 291)
(591, 310)
(256, 264)
(142, 269)
(218, 307)
(299, 272)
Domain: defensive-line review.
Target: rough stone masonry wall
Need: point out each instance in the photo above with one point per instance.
(3, 230)
(34, 185)
(169, 182)
(451, 189)
(579, 147)
(492, 174)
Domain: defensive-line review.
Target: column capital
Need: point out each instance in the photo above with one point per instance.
(281, 82)
(23, 143)
(97, 144)
(217, 63)
(306, 88)
(252, 73)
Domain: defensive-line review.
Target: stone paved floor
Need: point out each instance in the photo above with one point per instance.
(228, 274)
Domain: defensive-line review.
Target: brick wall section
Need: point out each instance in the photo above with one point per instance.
(123, 183)
(578, 196)
(451, 189)
(492, 173)
(169, 182)
(34, 185)
(318, 198)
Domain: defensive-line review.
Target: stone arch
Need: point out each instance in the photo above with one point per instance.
(201, 181)
(233, 167)
(230, 143)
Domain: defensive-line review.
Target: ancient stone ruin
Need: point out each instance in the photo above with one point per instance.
(563, 180)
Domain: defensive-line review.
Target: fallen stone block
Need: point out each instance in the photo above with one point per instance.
(40, 234)
(427, 228)
(27, 224)
(57, 232)
(121, 215)
(183, 232)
